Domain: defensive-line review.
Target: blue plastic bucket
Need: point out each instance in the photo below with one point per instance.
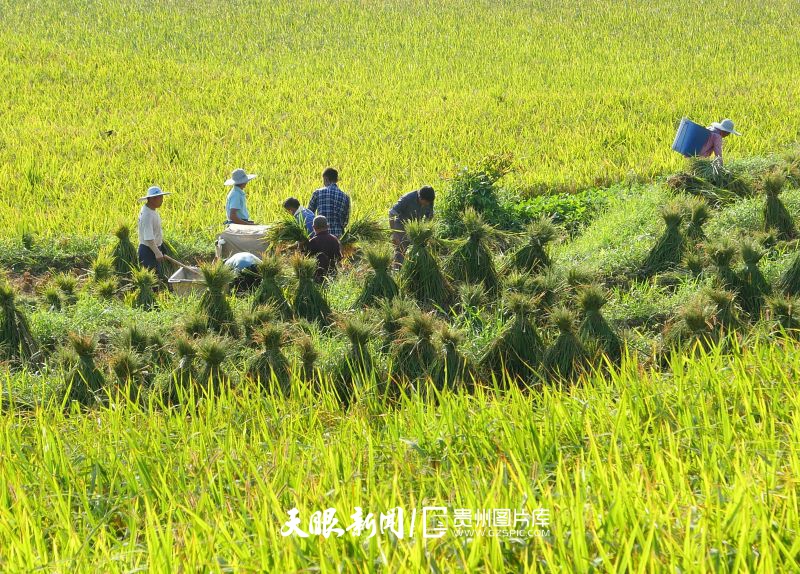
(691, 138)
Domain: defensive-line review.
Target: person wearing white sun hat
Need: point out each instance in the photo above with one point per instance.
(151, 238)
(236, 203)
(718, 131)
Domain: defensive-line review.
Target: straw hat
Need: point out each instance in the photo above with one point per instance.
(240, 176)
(726, 125)
(154, 191)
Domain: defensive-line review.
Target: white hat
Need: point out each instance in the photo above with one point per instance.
(154, 191)
(726, 125)
(240, 176)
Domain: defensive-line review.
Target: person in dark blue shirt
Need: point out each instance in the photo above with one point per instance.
(303, 215)
(414, 205)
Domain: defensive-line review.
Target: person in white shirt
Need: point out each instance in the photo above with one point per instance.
(151, 238)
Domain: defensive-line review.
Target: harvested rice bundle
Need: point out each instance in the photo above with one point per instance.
(130, 371)
(270, 289)
(256, 318)
(288, 231)
(124, 253)
(594, 326)
(458, 370)
(776, 216)
(565, 359)
(721, 254)
(532, 257)
(309, 302)
(212, 352)
(356, 369)
(784, 315)
(270, 366)
(392, 314)
(668, 250)
(699, 215)
(309, 355)
(102, 268)
(84, 380)
(362, 231)
(184, 373)
(472, 260)
(380, 283)
(518, 350)
(214, 302)
(753, 286)
(15, 331)
(694, 328)
(415, 358)
(144, 280)
(421, 276)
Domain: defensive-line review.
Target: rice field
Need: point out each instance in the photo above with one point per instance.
(101, 99)
(604, 384)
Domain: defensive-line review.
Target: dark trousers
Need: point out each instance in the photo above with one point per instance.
(147, 258)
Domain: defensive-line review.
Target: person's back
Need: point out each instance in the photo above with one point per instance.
(326, 247)
(332, 203)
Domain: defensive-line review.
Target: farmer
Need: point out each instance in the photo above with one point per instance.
(414, 205)
(151, 239)
(303, 215)
(719, 130)
(331, 202)
(326, 247)
(236, 203)
(245, 266)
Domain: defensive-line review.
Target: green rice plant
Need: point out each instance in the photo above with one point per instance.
(783, 313)
(415, 358)
(776, 217)
(753, 286)
(565, 359)
(698, 216)
(52, 297)
(421, 276)
(214, 302)
(131, 373)
(517, 351)
(124, 253)
(721, 253)
(212, 352)
(594, 326)
(668, 250)
(270, 366)
(67, 284)
(288, 231)
(144, 281)
(102, 268)
(472, 260)
(270, 289)
(356, 370)
(195, 325)
(309, 301)
(532, 257)
(16, 338)
(380, 284)
(84, 380)
(254, 319)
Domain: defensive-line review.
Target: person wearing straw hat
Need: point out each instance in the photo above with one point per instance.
(719, 130)
(236, 203)
(151, 238)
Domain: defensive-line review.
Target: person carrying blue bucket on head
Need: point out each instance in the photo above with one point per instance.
(719, 130)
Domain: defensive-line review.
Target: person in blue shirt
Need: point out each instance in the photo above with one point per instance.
(331, 202)
(303, 215)
(236, 203)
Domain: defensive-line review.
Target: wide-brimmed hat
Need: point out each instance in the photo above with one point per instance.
(154, 191)
(240, 176)
(726, 125)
